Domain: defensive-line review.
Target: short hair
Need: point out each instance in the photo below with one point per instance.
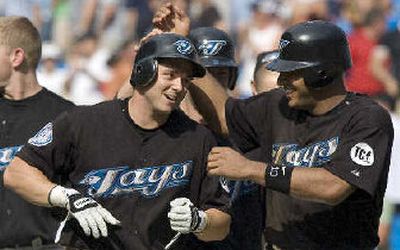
(19, 32)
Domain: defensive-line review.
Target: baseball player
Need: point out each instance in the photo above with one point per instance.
(133, 171)
(248, 197)
(264, 79)
(24, 108)
(217, 54)
(325, 151)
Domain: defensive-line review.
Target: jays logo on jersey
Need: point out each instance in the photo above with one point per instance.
(43, 137)
(7, 154)
(149, 181)
(291, 155)
(211, 47)
(184, 47)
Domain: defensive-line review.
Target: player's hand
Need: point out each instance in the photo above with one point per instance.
(224, 161)
(185, 218)
(92, 217)
(169, 18)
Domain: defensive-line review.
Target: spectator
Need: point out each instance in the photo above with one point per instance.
(50, 74)
(25, 107)
(370, 75)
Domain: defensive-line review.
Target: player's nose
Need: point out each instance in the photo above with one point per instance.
(178, 84)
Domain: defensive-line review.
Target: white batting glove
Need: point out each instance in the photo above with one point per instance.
(92, 217)
(184, 217)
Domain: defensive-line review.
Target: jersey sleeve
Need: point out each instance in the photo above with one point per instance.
(364, 149)
(212, 195)
(244, 119)
(50, 149)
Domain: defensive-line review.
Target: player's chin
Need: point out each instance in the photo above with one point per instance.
(167, 107)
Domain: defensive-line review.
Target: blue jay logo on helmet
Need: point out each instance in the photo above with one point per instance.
(184, 47)
(211, 47)
(283, 43)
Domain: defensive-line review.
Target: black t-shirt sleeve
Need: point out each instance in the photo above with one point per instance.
(363, 153)
(244, 119)
(212, 195)
(50, 149)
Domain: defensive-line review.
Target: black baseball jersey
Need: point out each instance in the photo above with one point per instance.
(132, 172)
(20, 221)
(353, 141)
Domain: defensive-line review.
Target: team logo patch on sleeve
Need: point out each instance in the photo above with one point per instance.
(362, 154)
(43, 137)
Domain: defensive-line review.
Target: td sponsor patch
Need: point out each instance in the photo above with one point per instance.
(362, 154)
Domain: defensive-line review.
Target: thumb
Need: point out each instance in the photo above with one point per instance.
(180, 202)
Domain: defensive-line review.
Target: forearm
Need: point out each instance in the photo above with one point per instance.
(210, 98)
(313, 184)
(218, 224)
(28, 182)
(319, 185)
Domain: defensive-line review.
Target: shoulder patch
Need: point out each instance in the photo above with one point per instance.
(362, 154)
(43, 137)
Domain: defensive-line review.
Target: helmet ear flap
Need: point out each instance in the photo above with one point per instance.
(319, 76)
(144, 72)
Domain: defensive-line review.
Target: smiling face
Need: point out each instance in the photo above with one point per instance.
(170, 86)
(298, 94)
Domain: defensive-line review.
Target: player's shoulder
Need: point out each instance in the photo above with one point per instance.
(86, 113)
(364, 108)
(180, 122)
(268, 98)
(56, 99)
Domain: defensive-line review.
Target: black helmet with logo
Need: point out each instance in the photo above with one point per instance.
(215, 49)
(319, 47)
(166, 45)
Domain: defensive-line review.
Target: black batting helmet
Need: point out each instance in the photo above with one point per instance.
(264, 58)
(166, 45)
(318, 47)
(215, 49)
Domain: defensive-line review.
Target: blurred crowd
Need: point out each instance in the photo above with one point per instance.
(88, 53)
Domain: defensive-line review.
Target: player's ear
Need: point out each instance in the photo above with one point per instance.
(253, 87)
(17, 58)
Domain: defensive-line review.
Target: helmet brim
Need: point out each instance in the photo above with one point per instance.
(217, 61)
(198, 69)
(280, 65)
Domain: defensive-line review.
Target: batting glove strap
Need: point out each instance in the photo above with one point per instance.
(199, 220)
(58, 196)
(78, 202)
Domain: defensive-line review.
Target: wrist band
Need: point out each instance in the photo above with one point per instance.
(278, 178)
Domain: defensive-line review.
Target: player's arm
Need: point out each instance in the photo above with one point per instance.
(209, 225)
(27, 181)
(315, 184)
(210, 98)
(31, 184)
(379, 70)
(217, 227)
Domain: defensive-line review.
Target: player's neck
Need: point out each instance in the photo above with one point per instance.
(144, 116)
(21, 86)
(328, 98)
